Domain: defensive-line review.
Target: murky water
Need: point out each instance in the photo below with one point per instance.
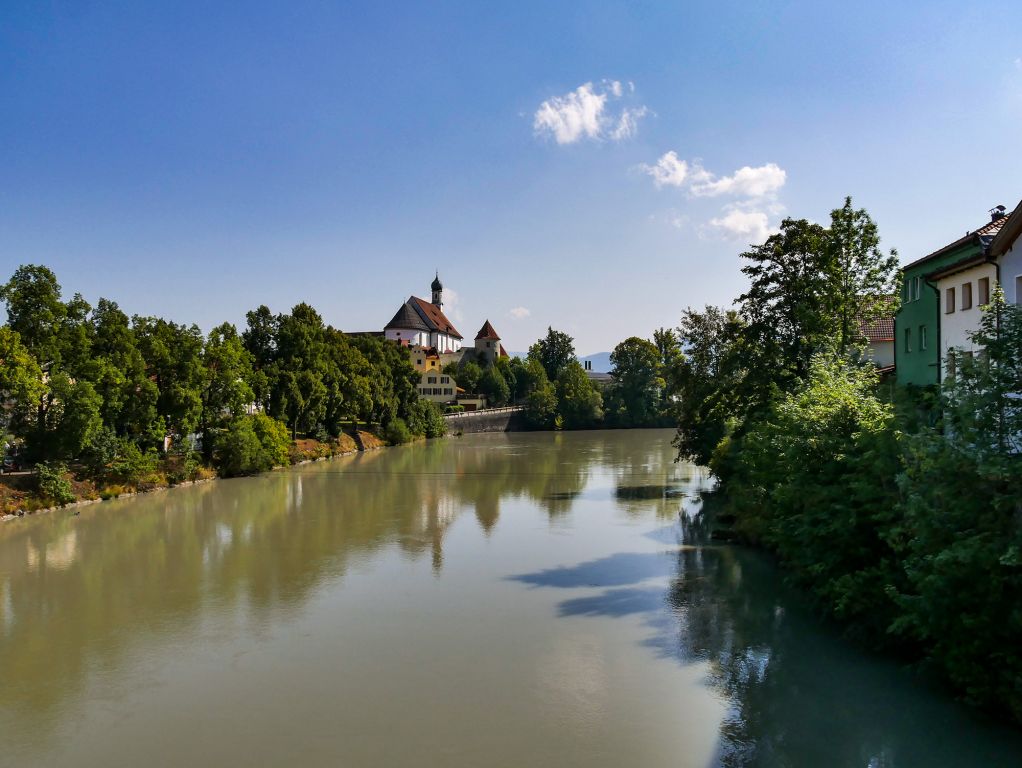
(499, 600)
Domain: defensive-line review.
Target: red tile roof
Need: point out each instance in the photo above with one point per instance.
(434, 317)
(487, 332)
(503, 352)
(981, 237)
(879, 328)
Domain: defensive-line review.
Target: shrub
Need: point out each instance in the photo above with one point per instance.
(52, 483)
(274, 438)
(425, 418)
(131, 466)
(397, 432)
(251, 444)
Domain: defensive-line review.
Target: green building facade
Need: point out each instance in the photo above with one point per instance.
(917, 324)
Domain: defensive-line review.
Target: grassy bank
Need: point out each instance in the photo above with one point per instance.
(25, 493)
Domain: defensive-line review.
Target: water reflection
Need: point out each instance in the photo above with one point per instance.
(80, 593)
(798, 695)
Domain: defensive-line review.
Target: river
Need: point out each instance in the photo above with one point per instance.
(494, 600)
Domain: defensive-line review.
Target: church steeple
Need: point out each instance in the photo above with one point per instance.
(438, 291)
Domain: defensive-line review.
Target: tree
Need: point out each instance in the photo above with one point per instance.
(494, 386)
(225, 391)
(709, 380)
(861, 279)
(35, 311)
(961, 532)
(469, 375)
(787, 319)
(814, 483)
(118, 373)
(638, 379)
(541, 398)
(554, 351)
(579, 403)
(21, 379)
(173, 359)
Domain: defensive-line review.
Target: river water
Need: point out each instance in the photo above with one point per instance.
(494, 600)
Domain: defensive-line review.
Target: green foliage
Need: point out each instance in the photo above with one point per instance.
(815, 482)
(251, 444)
(579, 403)
(962, 534)
(131, 466)
(397, 432)
(52, 482)
(554, 351)
(638, 381)
(468, 376)
(708, 382)
(493, 384)
(541, 397)
(426, 419)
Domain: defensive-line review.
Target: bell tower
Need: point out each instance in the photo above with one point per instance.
(438, 291)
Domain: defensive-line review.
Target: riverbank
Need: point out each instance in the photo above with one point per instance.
(20, 496)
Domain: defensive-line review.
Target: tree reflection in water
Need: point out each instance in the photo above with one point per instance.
(82, 591)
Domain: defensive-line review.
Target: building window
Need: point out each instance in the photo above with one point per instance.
(984, 291)
(908, 339)
(966, 295)
(922, 337)
(949, 301)
(431, 380)
(919, 287)
(445, 379)
(418, 362)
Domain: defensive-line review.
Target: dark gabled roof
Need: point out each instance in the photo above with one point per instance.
(487, 332)
(407, 317)
(980, 237)
(1009, 232)
(434, 318)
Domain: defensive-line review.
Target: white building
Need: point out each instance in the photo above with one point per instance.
(419, 323)
(1006, 248)
(963, 289)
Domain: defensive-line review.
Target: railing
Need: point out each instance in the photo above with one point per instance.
(487, 411)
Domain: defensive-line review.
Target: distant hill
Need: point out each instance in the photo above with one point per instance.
(601, 362)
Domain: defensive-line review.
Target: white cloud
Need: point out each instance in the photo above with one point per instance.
(761, 181)
(583, 114)
(1018, 63)
(669, 171)
(519, 312)
(628, 123)
(749, 225)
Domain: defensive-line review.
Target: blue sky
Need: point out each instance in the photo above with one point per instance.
(194, 160)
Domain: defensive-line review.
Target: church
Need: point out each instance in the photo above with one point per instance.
(433, 343)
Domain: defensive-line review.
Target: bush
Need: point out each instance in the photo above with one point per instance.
(814, 480)
(52, 483)
(251, 444)
(425, 418)
(131, 466)
(397, 432)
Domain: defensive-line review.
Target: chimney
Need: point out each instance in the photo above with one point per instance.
(997, 213)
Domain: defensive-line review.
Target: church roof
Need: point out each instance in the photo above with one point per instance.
(434, 318)
(487, 332)
(407, 317)
(437, 285)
